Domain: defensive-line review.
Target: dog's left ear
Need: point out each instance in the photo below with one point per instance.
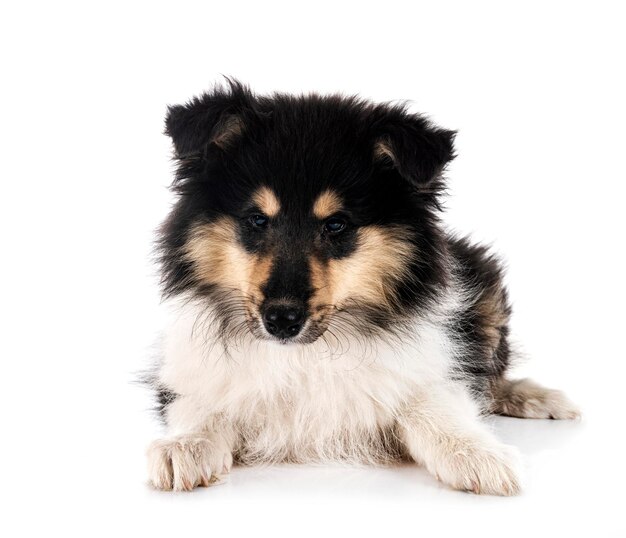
(418, 150)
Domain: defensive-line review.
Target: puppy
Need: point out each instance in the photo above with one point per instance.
(321, 312)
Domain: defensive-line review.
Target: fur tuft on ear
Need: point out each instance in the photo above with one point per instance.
(417, 149)
(215, 117)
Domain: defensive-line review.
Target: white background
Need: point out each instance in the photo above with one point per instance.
(536, 90)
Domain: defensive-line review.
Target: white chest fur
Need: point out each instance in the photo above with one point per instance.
(297, 402)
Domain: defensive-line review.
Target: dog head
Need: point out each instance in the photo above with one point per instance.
(298, 215)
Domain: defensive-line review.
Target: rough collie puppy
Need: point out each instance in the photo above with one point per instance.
(321, 311)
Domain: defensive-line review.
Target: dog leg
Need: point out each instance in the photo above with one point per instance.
(197, 449)
(441, 430)
(183, 462)
(526, 399)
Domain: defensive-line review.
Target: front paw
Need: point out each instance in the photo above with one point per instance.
(187, 461)
(485, 468)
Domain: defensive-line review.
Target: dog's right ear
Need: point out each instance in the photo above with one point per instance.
(215, 118)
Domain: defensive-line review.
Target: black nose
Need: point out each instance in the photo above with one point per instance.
(283, 320)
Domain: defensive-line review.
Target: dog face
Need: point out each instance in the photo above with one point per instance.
(301, 215)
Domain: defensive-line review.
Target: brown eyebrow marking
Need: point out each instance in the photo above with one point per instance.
(327, 204)
(267, 201)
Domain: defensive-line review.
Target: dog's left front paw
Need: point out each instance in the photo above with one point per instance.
(490, 469)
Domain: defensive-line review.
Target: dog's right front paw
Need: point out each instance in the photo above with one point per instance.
(187, 461)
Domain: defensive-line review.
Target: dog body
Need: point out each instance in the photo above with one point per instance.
(320, 311)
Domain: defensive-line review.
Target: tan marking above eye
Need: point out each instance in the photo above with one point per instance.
(267, 201)
(327, 204)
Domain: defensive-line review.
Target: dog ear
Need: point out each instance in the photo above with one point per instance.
(418, 150)
(214, 118)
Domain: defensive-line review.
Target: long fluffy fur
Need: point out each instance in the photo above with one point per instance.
(401, 340)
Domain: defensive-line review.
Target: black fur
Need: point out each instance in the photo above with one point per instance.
(164, 397)
(300, 146)
(229, 142)
(481, 273)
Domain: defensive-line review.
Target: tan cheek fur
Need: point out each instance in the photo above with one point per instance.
(368, 275)
(219, 259)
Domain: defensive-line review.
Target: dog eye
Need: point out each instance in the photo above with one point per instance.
(259, 221)
(334, 225)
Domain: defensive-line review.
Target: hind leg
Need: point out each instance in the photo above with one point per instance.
(526, 399)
